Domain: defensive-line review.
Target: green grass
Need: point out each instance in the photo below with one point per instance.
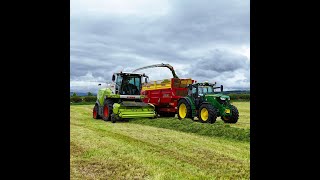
(102, 150)
(218, 129)
(82, 103)
(239, 131)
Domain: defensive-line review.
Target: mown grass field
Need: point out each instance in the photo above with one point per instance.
(164, 148)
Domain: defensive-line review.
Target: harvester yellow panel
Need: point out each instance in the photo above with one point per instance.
(166, 83)
(159, 84)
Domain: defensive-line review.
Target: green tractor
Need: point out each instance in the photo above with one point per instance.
(204, 103)
(122, 99)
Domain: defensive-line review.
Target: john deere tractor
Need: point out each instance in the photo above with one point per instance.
(204, 103)
(122, 100)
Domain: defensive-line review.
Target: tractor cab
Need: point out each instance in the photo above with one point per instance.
(198, 90)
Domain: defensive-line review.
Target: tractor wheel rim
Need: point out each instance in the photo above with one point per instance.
(204, 114)
(182, 110)
(94, 113)
(105, 111)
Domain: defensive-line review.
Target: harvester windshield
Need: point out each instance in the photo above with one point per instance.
(131, 84)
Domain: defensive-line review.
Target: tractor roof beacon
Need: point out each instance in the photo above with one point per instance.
(206, 104)
(122, 99)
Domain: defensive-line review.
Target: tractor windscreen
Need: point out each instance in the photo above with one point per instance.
(131, 85)
(205, 90)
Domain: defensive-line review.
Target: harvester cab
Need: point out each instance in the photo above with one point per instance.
(122, 99)
(206, 103)
(127, 83)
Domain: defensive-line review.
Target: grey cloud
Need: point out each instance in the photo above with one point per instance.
(222, 61)
(104, 44)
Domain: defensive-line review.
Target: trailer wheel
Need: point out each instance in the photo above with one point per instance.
(233, 118)
(107, 110)
(95, 113)
(207, 113)
(184, 109)
(168, 114)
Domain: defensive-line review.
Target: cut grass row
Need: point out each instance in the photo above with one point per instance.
(103, 150)
(218, 129)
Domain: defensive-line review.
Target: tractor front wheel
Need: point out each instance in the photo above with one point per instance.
(95, 113)
(233, 118)
(184, 109)
(207, 113)
(107, 110)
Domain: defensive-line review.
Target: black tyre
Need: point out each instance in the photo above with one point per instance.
(95, 112)
(207, 113)
(113, 118)
(107, 110)
(184, 109)
(233, 118)
(167, 114)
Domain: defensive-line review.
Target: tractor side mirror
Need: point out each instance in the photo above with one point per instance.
(190, 87)
(221, 88)
(113, 78)
(99, 84)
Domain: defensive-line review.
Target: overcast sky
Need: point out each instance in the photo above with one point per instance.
(206, 40)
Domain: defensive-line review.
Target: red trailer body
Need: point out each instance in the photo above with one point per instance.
(164, 94)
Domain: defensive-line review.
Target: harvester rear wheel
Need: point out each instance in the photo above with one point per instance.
(184, 109)
(107, 110)
(232, 119)
(95, 113)
(207, 113)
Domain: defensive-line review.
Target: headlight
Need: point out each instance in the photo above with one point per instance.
(222, 98)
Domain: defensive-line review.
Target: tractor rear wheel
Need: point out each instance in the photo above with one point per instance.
(107, 110)
(95, 113)
(207, 113)
(233, 118)
(184, 109)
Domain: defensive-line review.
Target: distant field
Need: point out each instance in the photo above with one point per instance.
(142, 149)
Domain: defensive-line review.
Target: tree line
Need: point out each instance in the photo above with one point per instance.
(91, 98)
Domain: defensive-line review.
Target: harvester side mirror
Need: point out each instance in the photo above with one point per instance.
(221, 88)
(113, 78)
(146, 80)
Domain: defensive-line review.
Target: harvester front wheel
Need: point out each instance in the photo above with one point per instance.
(113, 118)
(207, 113)
(95, 113)
(233, 118)
(184, 109)
(107, 110)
